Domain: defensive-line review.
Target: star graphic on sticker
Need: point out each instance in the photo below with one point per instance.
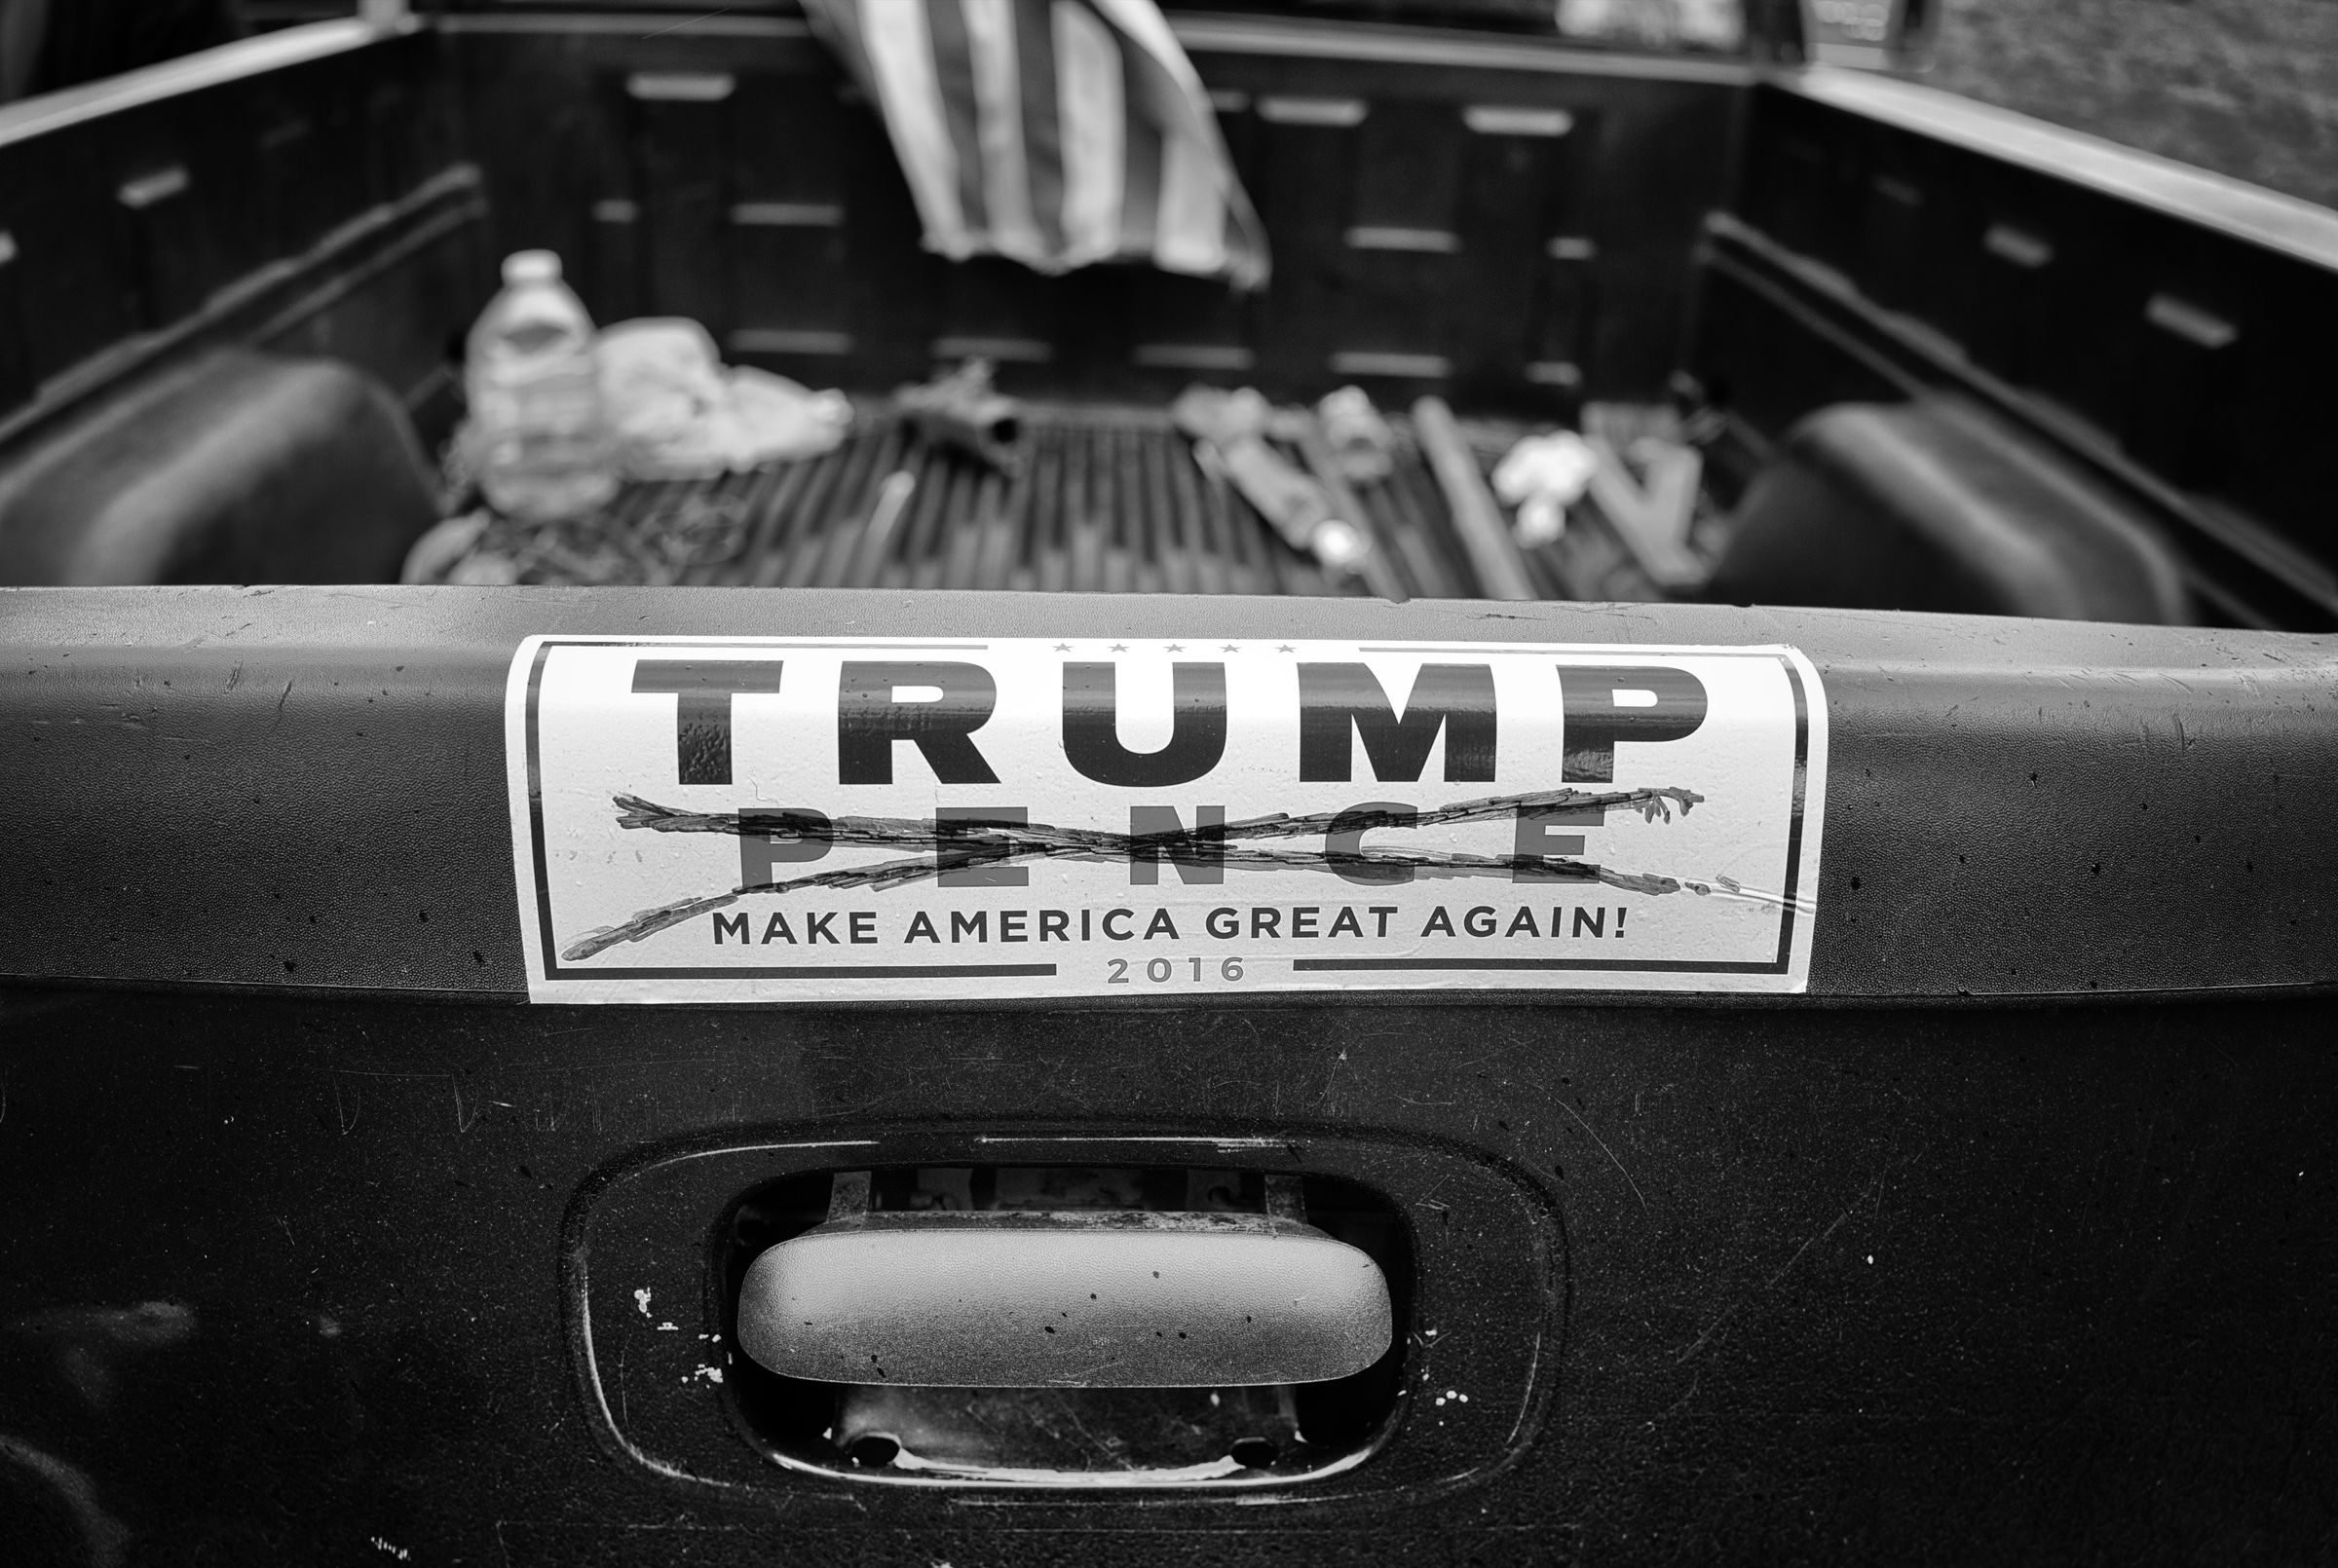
(1177, 648)
(1119, 647)
(1062, 647)
(1230, 649)
(1286, 648)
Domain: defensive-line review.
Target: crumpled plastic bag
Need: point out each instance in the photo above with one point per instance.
(1543, 476)
(673, 411)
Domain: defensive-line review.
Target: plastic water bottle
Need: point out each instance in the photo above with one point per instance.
(539, 440)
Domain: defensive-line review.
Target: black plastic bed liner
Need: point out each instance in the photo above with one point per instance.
(1109, 500)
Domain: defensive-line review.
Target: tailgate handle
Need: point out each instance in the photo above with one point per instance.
(1078, 1298)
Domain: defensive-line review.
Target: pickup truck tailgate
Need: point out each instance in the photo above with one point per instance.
(2007, 1233)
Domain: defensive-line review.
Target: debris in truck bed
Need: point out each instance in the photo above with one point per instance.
(675, 412)
(961, 412)
(1305, 436)
(1229, 431)
(1107, 498)
(1595, 558)
(1646, 482)
(624, 543)
(1357, 433)
(1543, 475)
(1475, 517)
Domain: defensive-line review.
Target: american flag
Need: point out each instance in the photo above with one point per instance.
(1057, 133)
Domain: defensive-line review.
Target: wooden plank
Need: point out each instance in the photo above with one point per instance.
(1477, 520)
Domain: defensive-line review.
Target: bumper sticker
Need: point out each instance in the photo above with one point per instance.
(705, 819)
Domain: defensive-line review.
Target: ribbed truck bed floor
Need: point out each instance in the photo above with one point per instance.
(1108, 499)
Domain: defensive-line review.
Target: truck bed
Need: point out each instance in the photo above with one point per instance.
(1107, 498)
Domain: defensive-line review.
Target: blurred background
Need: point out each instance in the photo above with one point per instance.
(2247, 88)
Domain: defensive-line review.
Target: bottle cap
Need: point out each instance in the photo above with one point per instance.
(532, 267)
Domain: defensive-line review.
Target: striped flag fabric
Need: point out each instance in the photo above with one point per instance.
(1056, 132)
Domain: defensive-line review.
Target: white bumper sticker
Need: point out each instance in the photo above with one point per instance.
(702, 819)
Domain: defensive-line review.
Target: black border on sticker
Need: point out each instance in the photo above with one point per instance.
(553, 970)
(875, 971)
